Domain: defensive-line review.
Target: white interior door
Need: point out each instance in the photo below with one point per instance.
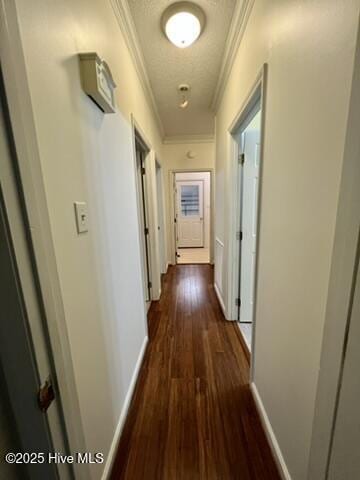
(251, 146)
(190, 213)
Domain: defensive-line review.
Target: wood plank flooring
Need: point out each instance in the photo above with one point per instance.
(193, 255)
(192, 414)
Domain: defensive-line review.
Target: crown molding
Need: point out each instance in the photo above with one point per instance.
(180, 139)
(123, 15)
(236, 32)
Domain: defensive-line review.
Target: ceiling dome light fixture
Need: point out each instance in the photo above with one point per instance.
(183, 23)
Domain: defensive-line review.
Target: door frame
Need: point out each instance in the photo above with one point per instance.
(240, 225)
(257, 94)
(161, 215)
(138, 136)
(150, 179)
(34, 198)
(18, 354)
(172, 211)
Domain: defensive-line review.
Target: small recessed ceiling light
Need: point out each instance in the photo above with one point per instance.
(184, 103)
(182, 23)
(184, 91)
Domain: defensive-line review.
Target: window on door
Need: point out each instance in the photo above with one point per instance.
(190, 200)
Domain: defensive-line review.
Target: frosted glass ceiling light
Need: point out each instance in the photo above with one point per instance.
(183, 23)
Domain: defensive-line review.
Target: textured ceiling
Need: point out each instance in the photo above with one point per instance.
(168, 66)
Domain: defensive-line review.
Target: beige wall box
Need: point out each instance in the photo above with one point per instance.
(97, 81)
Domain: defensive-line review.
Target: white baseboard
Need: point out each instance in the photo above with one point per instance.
(156, 296)
(275, 448)
(166, 268)
(238, 324)
(123, 414)
(221, 301)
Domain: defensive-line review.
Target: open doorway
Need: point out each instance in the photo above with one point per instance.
(141, 151)
(192, 203)
(246, 139)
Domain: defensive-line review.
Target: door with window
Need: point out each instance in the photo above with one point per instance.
(190, 213)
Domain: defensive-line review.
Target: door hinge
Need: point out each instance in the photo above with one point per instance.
(143, 171)
(149, 284)
(175, 220)
(241, 158)
(46, 395)
(238, 302)
(146, 231)
(239, 235)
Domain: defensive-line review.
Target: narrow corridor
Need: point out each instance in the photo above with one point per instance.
(192, 414)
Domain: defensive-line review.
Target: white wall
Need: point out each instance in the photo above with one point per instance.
(88, 156)
(309, 48)
(174, 157)
(206, 178)
(341, 283)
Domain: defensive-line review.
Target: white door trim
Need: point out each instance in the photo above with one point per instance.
(27, 151)
(172, 173)
(161, 216)
(137, 134)
(256, 94)
(151, 198)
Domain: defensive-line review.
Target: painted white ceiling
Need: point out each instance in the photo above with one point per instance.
(168, 66)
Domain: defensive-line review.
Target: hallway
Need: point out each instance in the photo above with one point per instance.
(192, 414)
(169, 172)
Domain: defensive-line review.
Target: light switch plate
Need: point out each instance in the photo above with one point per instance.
(81, 215)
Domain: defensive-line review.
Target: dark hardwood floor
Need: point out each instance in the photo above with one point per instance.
(192, 414)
